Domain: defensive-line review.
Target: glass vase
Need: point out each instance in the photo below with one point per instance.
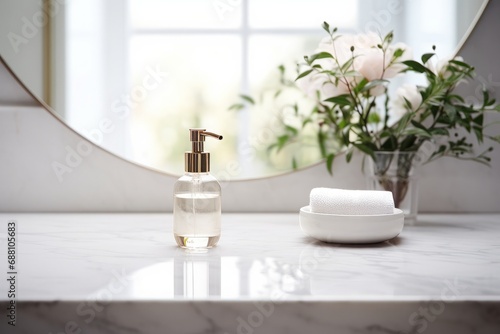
(396, 172)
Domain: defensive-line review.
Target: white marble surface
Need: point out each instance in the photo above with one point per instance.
(122, 273)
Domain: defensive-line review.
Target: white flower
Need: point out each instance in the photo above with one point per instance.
(441, 66)
(397, 66)
(399, 105)
(369, 63)
(320, 82)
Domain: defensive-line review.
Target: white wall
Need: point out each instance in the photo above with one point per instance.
(22, 41)
(32, 140)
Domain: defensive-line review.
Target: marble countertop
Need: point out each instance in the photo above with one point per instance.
(122, 273)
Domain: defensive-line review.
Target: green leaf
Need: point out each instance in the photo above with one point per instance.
(440, 152)
(385, 134)
(329, 162)
(342, 124)
(326, 27)
(426, 57)
(417, 132)
(347, 65)
(439, 132)
(321, 143)
(303, 74)
(479, 120)
(294, 163)
(281, 68)
(408, 143)
(247, 98)
(320, 55)
(479, 134)
(451, 112)
(457, 97)
(360, 85)
(350, 74)
(348, 156)
(486, 96)
(373, 117)
(495, 138)
(237, 106)
(418, 125)
(408, 104)
(390, 144)
(460, 63)
(365, 149)
(388, 38)
(489, 103)
(271, 147)
(398, 53)
(291, 129)
(282, 141)
(486, 163)
(403, 122)
(373, 83)
(341, 100)
(416, 66)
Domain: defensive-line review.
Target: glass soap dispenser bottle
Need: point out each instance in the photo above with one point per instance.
(197, 198)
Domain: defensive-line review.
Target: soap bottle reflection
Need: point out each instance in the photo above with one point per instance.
(197, 275)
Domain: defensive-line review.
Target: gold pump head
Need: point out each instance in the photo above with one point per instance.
(198, 161)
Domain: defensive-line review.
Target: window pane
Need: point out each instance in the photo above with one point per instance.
(203, 80)
(161, 14)
(302, 14)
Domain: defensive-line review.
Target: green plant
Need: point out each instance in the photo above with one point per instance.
(350, 79)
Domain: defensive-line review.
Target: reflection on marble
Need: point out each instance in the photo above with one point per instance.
(121, 273)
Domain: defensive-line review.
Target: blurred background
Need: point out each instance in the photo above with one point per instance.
(135, 75)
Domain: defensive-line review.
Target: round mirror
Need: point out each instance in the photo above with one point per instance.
(134, 75)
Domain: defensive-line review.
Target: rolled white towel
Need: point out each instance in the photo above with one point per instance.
(351, 202)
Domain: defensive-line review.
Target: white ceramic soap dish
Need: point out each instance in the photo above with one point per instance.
(351, 229)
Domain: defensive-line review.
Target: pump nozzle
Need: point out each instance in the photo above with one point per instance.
(200, 134)
(211, 134)
(198, 161)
